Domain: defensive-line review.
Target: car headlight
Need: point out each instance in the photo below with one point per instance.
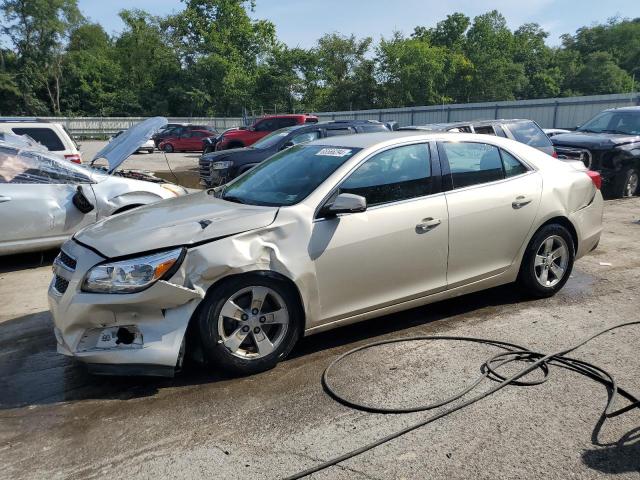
(177, 190)
(221, 165)
(133, 275)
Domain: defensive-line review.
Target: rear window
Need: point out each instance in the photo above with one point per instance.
(44, 136)
(529, 134)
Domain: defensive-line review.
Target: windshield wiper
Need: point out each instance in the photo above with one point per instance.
(617, 131)
(589, 131)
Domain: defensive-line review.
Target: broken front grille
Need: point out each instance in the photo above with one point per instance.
(60, 284)
(67, 261)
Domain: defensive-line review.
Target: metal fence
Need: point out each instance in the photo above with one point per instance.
(549, 112)
(99, 127)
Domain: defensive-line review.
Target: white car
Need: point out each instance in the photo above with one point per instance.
(45, 199)
(54, 136)
(320, 235)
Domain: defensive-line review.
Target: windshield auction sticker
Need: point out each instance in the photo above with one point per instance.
(334, 152)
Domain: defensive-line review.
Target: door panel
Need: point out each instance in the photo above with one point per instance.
(381, 256)
(41, 211)
(488, 225)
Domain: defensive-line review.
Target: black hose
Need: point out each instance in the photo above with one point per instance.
(489, 369)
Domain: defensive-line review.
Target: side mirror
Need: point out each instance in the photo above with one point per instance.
(289, 144)
(344, 203)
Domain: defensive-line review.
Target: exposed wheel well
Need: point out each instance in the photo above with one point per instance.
(566, 223)
(193, 347)
(127, 207)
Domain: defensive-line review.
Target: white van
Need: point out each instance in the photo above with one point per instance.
(54, 136)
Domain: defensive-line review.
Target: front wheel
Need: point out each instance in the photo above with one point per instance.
(627, 183)
(547, 262)
(248, 324)
(168, 148)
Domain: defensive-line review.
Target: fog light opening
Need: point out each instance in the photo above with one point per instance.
(125, 336)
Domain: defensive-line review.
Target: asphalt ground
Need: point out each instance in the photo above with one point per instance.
(59, 422)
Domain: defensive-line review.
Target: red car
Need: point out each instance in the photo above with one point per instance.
(245, 136)
(188, 140)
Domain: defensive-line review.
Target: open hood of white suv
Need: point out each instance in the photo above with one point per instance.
(129, 141)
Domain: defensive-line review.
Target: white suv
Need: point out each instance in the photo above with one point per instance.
(54, 136)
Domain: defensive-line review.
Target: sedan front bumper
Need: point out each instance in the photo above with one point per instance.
(127, 330)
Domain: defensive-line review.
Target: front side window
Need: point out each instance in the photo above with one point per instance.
(287, 122)
(529, 133)
(44, 136)
(305, 137)
(288, 177)
(397, 174)
(485, 130)
(268, 125)
(473, 163)
(37, 167)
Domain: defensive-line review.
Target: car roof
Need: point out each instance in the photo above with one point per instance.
(444, 126)
(625, 109)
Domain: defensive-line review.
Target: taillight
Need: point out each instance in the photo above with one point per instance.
(595, 178)
(74, 157)
(554, 154)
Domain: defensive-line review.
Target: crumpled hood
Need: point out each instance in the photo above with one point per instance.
(178, 221)
(596, 141)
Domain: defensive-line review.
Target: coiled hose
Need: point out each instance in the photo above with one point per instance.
(489, 370)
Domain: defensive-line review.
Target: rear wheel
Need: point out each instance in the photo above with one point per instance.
(167, 147)
(249, 324)
(547, 262)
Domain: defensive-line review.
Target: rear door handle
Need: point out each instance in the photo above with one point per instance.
(427, 224)
(520, 202)
(4, 198)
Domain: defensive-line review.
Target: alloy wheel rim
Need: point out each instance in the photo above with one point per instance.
(253, 322)
(551, 261)
(632, 185)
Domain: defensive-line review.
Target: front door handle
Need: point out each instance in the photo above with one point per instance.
(4, 198)
(520, 202)
(427, 225)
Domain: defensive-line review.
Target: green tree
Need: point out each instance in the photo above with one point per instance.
(601, 75)
(38, 29)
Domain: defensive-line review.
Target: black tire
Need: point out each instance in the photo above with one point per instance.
(221, 358)
(620, 184)
(167, 148)
(150, 150)
(528, 279)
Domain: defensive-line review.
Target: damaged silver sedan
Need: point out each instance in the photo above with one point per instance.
(44, 199)
(320, 235)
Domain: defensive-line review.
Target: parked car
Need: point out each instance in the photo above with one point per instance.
(45, 199)
(322, 234)
(523, 131)
(52, 135)
(147, 146)
(247, 136)
(218, 168)
(552, 132)
(609, 143)
(177, 129)
(188, 140)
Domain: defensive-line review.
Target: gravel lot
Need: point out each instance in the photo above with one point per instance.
(59, 422)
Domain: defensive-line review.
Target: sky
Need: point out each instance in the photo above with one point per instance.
(302, 22)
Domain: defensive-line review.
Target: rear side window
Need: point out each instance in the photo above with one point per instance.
(473, 163)
(44, 136)
(393, 175)
(512, 165)
(286, 122)
(485, 130)
(529, 134)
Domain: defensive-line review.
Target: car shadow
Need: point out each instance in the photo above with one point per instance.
(25, 261)
(33, 373)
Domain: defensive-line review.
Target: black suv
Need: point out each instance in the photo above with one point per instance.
(523, 131)
(609, 143)
(217, 168)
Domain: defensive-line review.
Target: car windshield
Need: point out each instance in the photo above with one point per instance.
(273, 138)
(614, 122)
(289, 176)
(32, 166)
